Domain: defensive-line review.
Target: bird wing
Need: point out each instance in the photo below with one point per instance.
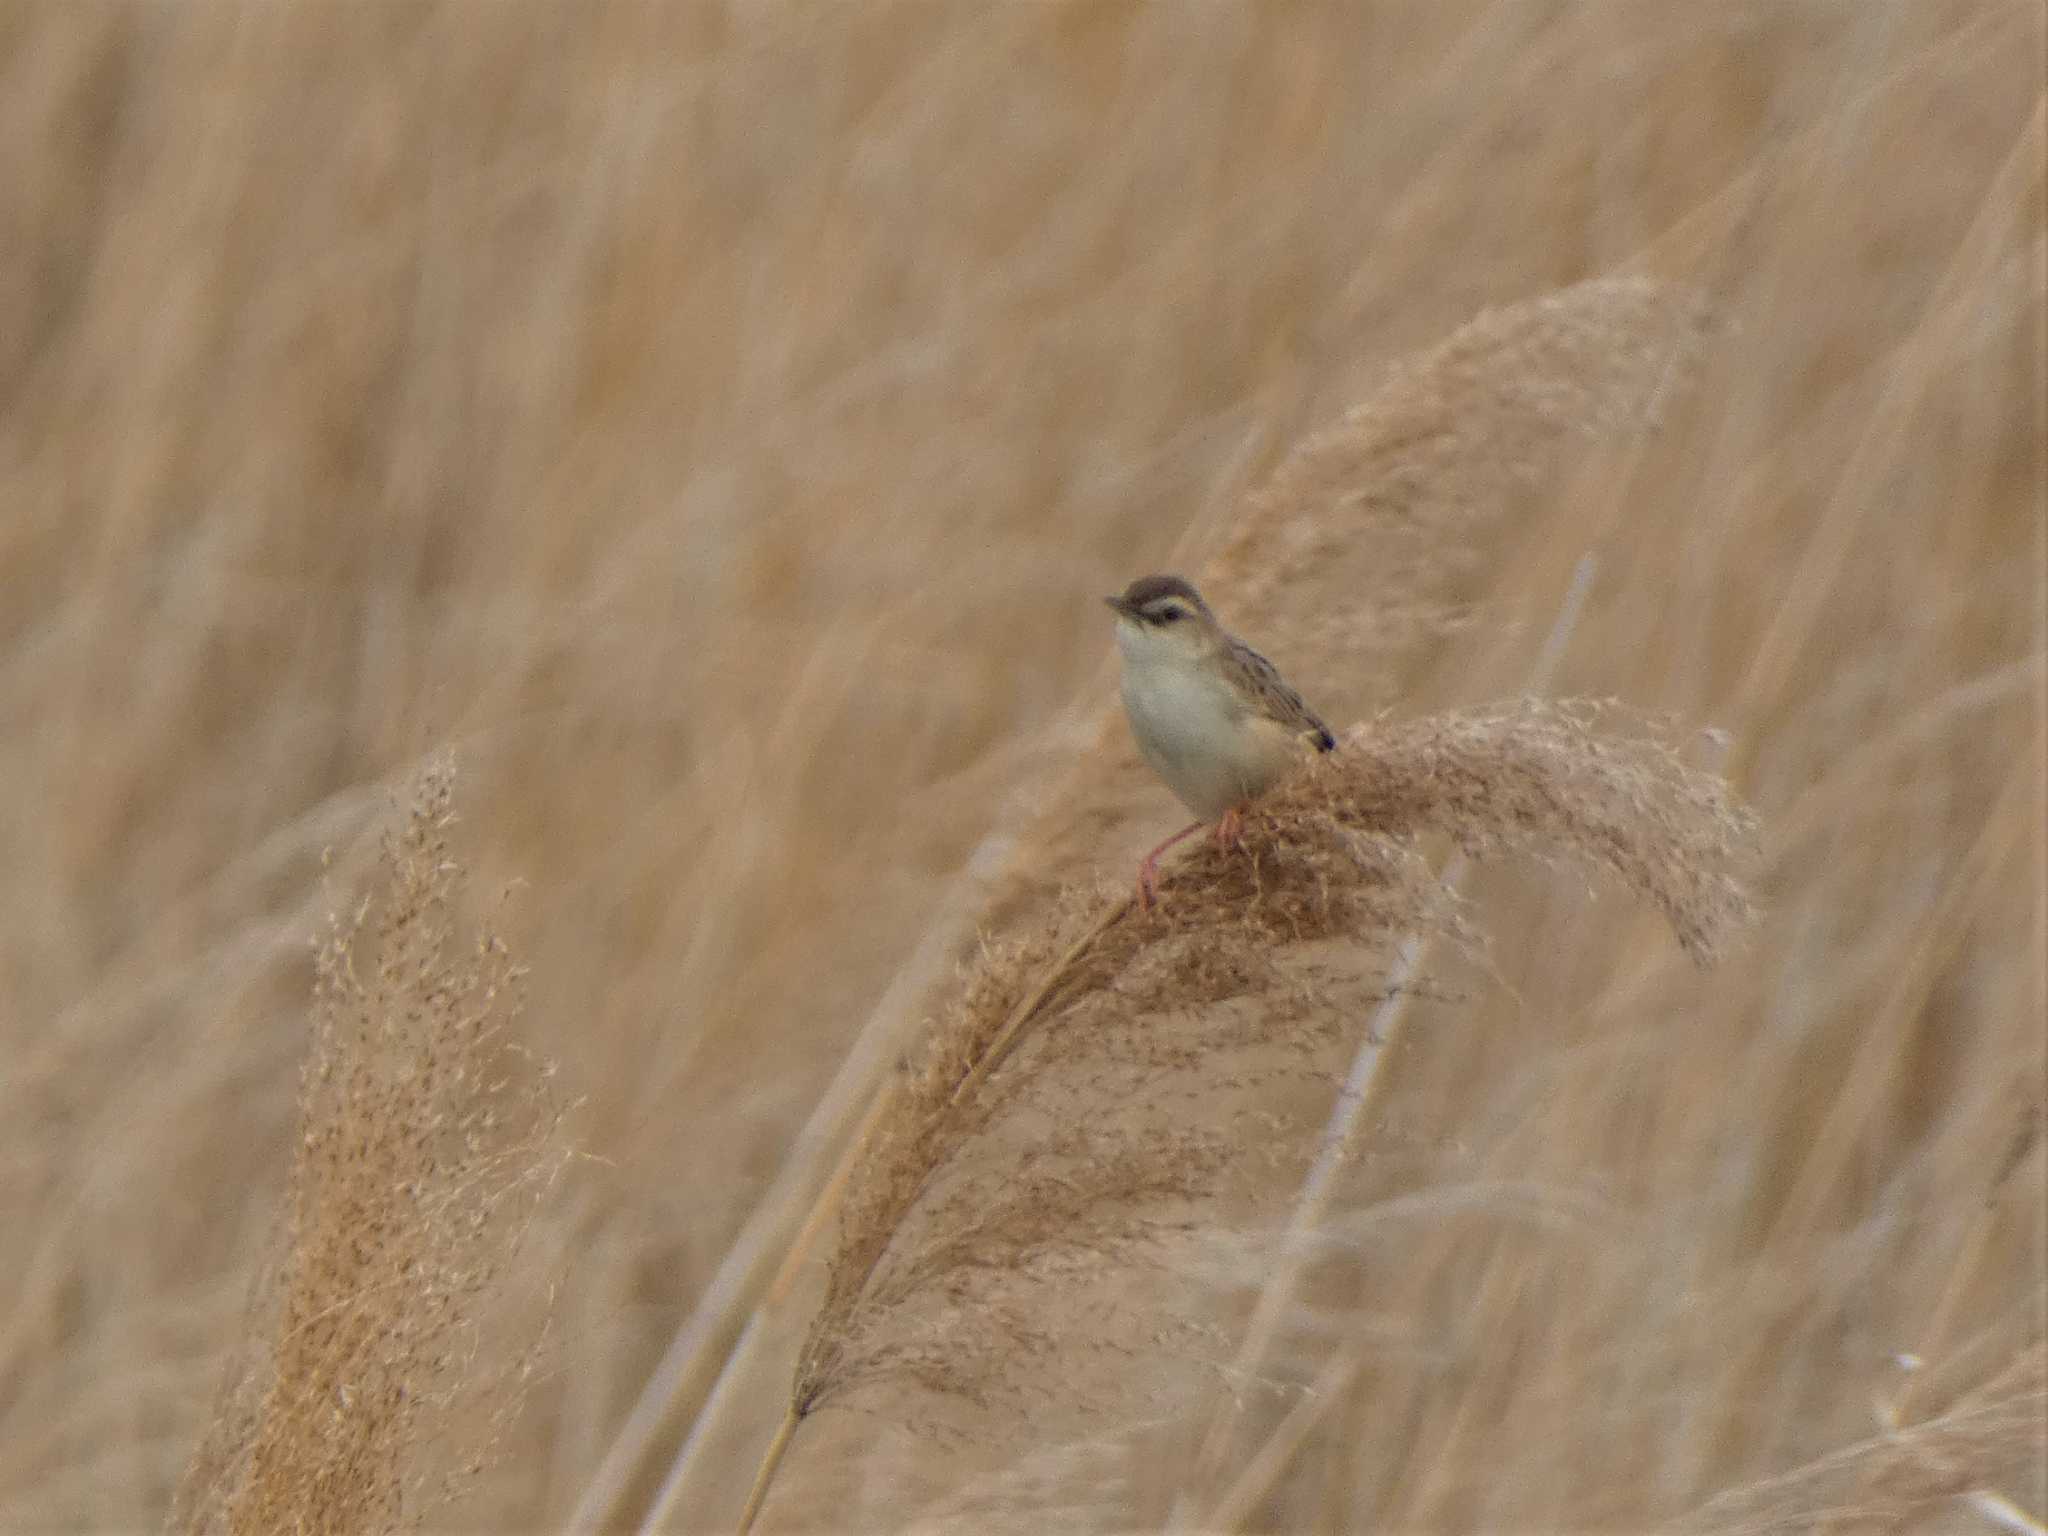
(1270, 696)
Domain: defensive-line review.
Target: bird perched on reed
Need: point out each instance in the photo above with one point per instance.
(1211, 715)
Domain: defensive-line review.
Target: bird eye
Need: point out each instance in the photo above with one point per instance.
(1169, 613)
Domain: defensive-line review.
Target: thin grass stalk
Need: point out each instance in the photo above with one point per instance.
(669, 1495)
(1270, 1462)
(1706, 226)
(680, 1375)
(1840, 525)
(1819, 803)
(1941, 936)
(2004, 1514)
(684, 1368)
(1988, 1502)
(1033, 1004)
(1898, 1473)
(1361, 1091)
(1028, 1009)
(771, 1462)
(1895, 1414)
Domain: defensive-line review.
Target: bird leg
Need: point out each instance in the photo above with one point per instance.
(1148, 872)
(1230, 828)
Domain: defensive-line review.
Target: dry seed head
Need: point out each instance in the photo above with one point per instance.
(1367, 521)
(425, 1139)
(981, 1185)
(1348, 561)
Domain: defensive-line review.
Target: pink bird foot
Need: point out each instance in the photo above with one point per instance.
(1230, 830)
(1148, 872)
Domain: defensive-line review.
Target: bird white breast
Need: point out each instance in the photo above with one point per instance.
(1197, 732)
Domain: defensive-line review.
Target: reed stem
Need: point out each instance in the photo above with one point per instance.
(1352, 1110)
(1028, 1008)
(765, 1475)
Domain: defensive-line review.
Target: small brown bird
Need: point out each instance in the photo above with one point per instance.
(1211, 715)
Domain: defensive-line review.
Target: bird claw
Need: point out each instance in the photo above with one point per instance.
(1230, 830)
(1148, 872)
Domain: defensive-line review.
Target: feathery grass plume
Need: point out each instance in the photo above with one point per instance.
(425, 1139)
(1366, 529)
(1352, 548)
(1538, 775)
(1347, 561)
(996, 1173)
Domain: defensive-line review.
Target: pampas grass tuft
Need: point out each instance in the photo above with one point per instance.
(426, 1139)
(1347, 560)
(954, 1216)
(1351, 548)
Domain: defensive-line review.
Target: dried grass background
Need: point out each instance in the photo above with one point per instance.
(719, 425)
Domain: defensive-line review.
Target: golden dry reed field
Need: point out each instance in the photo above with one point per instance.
(566, 960)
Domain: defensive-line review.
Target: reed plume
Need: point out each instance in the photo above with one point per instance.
(1350, 558)
(1353, 549)
(994, 1168)
(1335, 855)
(426, 1139)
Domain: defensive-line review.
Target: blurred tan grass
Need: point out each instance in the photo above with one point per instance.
(602, 388)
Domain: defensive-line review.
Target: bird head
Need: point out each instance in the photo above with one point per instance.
(1160, 618)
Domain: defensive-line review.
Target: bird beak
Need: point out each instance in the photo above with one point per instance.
(1120, 606)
